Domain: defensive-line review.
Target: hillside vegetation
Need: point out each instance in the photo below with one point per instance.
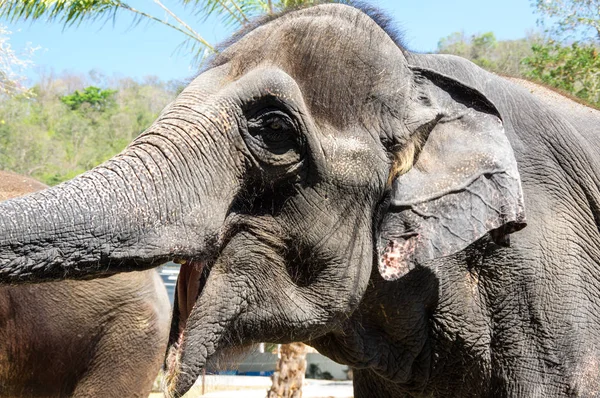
(70, 124)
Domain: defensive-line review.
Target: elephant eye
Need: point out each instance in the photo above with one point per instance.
(276, 124)
(274, 139)
(272, 129)
(275, 121)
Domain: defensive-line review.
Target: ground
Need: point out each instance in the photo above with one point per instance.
(256, 387)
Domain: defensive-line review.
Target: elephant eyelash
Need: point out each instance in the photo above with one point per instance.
(266, 120)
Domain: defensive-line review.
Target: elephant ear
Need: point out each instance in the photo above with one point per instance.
(458, 181)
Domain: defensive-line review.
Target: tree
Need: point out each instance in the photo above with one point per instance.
(570, 16)
(43, 137)
(486, 51)
(12, 65)
(476, 48)
(569, 60)
(94, 97)
(289, 373)
(574, 68)
(73, 12)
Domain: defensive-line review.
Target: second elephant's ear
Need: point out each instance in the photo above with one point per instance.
(457, 181)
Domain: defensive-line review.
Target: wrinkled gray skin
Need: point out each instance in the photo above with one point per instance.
(430, 224)
(101, 338)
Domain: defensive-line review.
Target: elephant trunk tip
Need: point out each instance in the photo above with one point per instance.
(178, 380)
(190, 283)
(173, 366)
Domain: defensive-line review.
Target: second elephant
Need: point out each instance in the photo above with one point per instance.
(100, 338)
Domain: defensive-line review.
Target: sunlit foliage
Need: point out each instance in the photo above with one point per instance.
(573, 68)
(504, 57)
(571, 19)
(54, 139)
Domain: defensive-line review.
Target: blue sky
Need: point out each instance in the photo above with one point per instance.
(149, 49)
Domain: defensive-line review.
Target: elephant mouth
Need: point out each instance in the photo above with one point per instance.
(190, 284)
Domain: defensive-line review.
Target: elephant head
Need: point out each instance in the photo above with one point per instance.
(308, 155)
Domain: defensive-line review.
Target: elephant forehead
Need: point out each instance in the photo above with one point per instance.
(348, 158)
(341, 60)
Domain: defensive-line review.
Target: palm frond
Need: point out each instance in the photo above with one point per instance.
(74, 12)
(232, 12)
(201, 54)
(69, 12)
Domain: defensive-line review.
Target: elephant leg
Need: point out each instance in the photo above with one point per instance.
(127, 358)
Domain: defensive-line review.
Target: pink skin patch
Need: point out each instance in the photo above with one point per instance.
(394, 263)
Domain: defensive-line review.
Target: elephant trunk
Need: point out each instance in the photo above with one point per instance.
(79, 228)
(135, 211)
(164, 197)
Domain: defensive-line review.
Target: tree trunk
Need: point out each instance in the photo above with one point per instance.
(289, 373)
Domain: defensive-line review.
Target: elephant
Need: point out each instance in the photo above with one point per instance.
(431, 225)
(99, 338)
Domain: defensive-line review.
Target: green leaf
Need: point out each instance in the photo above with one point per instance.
(68, 12)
